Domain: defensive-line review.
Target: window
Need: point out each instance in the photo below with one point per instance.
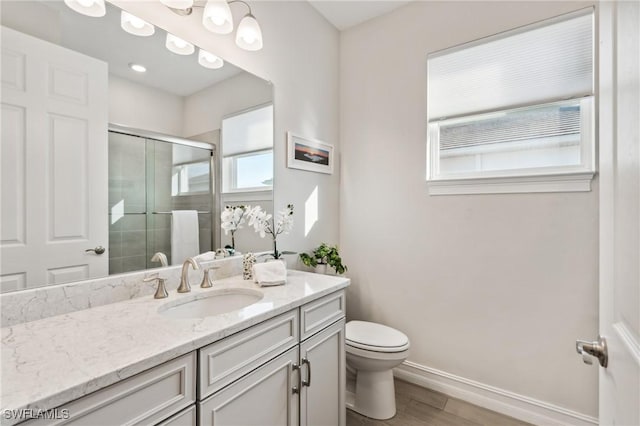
(190, 179)
(514, 112)
(249, 172)
(247, 150)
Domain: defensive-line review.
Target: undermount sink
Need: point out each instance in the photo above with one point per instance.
(214, 302)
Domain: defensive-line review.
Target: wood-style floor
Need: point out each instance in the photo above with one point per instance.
(417, 406)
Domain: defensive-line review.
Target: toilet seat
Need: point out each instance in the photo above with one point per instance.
(374, 337)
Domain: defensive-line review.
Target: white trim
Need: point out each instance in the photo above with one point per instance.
(499, 400)
(571, 182)
(627, 336)
(234, 197)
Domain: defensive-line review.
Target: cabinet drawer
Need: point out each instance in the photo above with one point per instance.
(143, 399)
(231, 358)
(186, 417)
(316, 315)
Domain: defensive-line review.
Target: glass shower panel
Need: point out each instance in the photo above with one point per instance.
(179, 178)
(127, 203)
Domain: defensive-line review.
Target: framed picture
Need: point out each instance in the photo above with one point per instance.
(309, 154)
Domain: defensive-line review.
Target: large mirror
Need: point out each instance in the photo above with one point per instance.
(117, 153)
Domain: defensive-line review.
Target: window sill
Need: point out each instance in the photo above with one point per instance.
(237, 196)
(574, 182)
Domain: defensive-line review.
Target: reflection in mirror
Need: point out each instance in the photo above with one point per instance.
(106, 133)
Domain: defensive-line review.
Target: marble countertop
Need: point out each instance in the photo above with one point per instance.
(52, 361)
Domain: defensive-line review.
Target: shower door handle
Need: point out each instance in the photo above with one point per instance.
(98, 250)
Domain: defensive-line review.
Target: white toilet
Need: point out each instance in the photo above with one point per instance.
(372, 351)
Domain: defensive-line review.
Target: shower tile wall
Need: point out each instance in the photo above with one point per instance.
(127, 203)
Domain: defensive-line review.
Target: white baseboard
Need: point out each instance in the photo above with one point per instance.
(495, 399)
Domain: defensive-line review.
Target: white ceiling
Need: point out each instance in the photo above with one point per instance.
(346, 14)
(104, 39)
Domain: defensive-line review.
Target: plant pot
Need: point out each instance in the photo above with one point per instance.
(321, 268)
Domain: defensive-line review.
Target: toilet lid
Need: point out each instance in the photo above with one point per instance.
(375, 337)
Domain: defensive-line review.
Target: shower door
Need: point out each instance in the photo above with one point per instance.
(148, 178)
(178, 178)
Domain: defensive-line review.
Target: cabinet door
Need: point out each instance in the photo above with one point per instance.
(265, 396)
(186, 417)
(323, 371)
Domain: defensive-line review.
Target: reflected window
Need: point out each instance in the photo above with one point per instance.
(247, 150)
(249, 172)
(190, 179)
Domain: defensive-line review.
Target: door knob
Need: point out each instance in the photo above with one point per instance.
(596, 349)
(97, 250)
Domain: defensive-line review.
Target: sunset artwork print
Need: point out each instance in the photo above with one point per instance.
(313, 155)
(309, 154)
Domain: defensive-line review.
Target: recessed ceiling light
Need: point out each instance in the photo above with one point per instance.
(138, 68)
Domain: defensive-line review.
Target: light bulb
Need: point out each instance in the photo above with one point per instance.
(209, 60)
(178, 45)
(136, 26)
(249, 35)
(93, 8)
(136, 22)
(86, 3)
(217, 17)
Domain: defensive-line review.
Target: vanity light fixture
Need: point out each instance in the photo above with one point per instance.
(179, 46)
(209, 60)
(178, 4)
(93, 8)
(136, 26)
(217, 18)
(138, 67)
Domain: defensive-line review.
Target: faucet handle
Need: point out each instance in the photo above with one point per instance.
(151, 277)
(161, 291)
(207, 280)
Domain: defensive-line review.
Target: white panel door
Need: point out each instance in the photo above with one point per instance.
(323, 372)
(620, 211)
(263, 397)
(54, 163)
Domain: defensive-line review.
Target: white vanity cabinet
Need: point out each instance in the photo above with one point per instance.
(285, 371)
(303, 386)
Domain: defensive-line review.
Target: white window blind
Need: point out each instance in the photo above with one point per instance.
(536, 64)
(248, 131)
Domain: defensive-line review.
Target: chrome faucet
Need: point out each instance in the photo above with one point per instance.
(185, 287)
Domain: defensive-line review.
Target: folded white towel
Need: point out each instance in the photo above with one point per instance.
(206, 256)
(185, 238)
(269, 273)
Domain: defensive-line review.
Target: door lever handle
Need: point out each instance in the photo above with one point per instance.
(597, 349)
(97, 250)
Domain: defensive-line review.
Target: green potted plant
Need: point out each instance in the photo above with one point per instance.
(321, 257)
